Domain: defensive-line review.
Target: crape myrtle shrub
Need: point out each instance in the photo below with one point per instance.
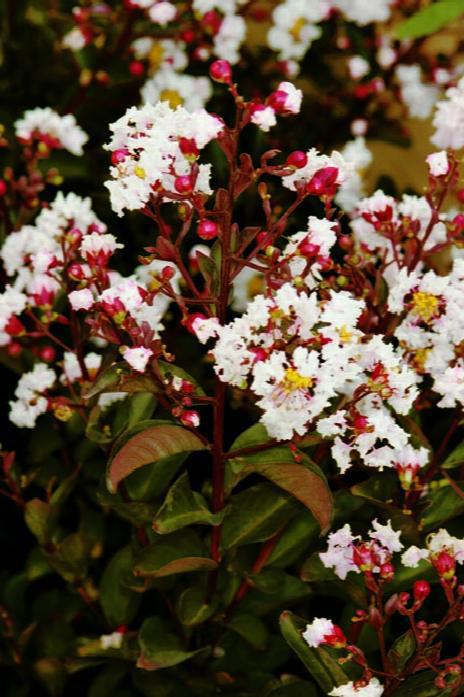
(233, 371)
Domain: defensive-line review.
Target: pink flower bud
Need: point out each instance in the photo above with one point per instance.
(183, 184)
(190, 418)
(277, 100)
(76, 272)
(297, 159)
(167, 273)
(3, 187)
(221, 71)
(207, 229)
(189, 148)
(387, 571)
(119, 156)
(323, 182)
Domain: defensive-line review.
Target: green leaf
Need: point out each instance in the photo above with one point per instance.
(159, 649)
(401, 651)
(305, 481)
(183, 507)
(153, 441)
(324, 669)
(430, 19)
(150, 482)
(421, 685)
(136, 512)
(251, 628)
(119, 603)
(256, 514)
(70, 557)
(177, 553)
(106, 424)
(37, 517)
(52, 674)
(118, 377)
(455, 458)
(443, 503)
(301, 532)
(192, 608)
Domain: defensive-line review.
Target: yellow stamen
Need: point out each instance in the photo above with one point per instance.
(425, 305)
(255, 286)
(345, 335)
(172, 97)
(156, 56)
(295, 31)
(294, 381)
(140, 172)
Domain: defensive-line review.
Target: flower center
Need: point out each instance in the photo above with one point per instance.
(139, 172)
(295, 31)
(172, 97)
(424, 305)
(294, 381)
(156, 56)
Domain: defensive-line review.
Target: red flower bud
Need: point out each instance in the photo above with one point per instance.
(323, 182)
(458, 220)
(14, 349)
(189, 148)
(119, 156)
(207, 229)
(136, 68)
(14, 327)
(277, 100)
(47, 354)
(445, 564)
(188, 35)
(221, 71)
(3, 187)
(297, 159)
(183, 184)
(345, 242)
(387, 571)
(420, 590)
(167, 273)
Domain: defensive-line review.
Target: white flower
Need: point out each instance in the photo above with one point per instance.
(364, 12)
(75, 39)
(30, 402)
(316, 632)
(448, 119)
(177, 88)
(138, 357)
(386, 536)
(81, 299)
(111, 641)
(438, 163)
(339, 555)
(372, 689)
(63, 130)
(264, 117)
(419, 97)
(358, 67)
(413, 555)
(294, 97)
(316, 162)
(162, 13)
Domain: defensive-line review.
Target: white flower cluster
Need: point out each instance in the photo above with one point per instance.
(364, 12)
(351, 190)
(231, 32)
(448, 119)
(159, 11)
(147, 155)
(378, 218)
(350, 689)
(177, 89)
(33, 255)
(441, 547)
(55, 131)
(295, 27)
(419, 97)
(317, 163)
(348, 553)
(30, 400)
(431, 334)
(297, 353)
